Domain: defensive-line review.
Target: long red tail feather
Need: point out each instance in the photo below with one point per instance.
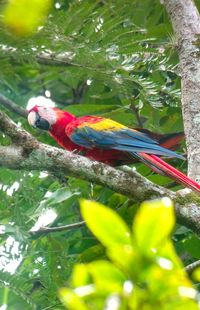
(170, 171)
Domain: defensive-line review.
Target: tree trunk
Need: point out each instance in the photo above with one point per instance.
(186, 24)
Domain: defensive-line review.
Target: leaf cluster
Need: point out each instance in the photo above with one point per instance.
(143, 272)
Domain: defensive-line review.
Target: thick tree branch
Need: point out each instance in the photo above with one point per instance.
(46, 157)
(11, 106)
(186, 24)
(16, 133)
(29, 154)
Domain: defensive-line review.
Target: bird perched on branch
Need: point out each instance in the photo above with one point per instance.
(110, 142)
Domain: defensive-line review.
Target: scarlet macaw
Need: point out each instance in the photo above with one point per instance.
(107, 141)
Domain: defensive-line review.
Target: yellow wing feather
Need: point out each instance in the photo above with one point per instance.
(105, 124)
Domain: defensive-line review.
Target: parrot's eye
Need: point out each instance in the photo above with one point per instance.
(37, 123)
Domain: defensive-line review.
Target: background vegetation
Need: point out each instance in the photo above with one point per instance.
(111, 58)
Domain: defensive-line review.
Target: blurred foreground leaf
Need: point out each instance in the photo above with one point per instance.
(152, 278)
(23, 17)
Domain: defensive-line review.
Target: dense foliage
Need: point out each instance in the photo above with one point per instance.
(112, 58)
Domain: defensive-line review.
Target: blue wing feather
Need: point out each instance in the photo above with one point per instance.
(126, 140)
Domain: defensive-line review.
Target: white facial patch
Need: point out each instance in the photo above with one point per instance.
(32, 118)
(47, 114)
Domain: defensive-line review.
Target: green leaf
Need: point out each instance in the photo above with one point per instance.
(58, 196)
(87, 109)
(192, 246)
(126, 257)
(106, 276)
(71, 300)
(105, 224)
(153, 224)
(80, 275)
(24, 17)
(93, 253)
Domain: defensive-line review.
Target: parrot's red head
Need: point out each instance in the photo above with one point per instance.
(46, 118)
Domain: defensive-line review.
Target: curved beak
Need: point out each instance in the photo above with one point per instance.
(36, 121)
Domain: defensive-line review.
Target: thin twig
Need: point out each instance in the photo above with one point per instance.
(48, 230)
(136, 112)
(191, 267)
(51, 306)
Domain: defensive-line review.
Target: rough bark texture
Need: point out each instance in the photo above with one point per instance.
(186, 24)
(43, 157)
(28, 154)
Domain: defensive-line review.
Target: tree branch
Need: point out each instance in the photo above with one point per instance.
(48, 230)
(53, 59)
(29, 154)
(45, 58)
(186, 24)
(136, 112)
(46, 157)
(11, 106)
(191, 267)
(18, 135)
